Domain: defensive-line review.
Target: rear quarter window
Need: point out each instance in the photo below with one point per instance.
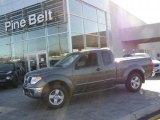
(107, 58)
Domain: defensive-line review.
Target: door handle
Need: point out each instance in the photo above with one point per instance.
(98, 69)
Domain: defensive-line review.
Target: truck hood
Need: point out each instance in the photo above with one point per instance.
(44, 71)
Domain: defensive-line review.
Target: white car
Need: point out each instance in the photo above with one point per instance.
(156, 68)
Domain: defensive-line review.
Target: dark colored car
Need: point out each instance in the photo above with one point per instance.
(85, 71)
(9, 74)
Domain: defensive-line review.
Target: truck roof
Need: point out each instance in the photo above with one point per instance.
(95, 49)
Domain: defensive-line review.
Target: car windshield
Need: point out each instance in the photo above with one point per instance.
(6, 67)
(67, 60)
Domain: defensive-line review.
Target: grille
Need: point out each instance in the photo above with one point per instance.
(2, 76)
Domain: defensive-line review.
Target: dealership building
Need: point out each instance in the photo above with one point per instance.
(39, 32)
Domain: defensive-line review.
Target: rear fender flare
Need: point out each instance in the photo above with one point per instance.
(133, 68)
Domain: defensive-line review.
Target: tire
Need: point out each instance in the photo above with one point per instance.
(56, 96)
(134, 82)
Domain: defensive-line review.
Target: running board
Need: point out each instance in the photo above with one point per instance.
(88, 92)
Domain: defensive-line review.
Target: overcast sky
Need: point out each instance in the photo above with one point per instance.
(146, 10)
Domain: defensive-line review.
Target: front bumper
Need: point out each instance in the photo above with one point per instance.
(5, 81)
(156, 70)
(32, 92)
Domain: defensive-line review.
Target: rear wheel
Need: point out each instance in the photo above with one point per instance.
(134, 82)
(56, 96)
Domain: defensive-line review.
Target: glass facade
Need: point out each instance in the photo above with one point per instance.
(49, 40)
(88, 25)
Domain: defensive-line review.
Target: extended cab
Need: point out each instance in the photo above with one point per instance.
(86, 71)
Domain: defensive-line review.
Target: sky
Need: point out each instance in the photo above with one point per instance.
(146, 10)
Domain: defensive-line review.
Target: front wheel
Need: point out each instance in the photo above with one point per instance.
(134, 82)
(56, 96)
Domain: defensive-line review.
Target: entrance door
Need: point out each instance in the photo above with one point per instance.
(37, 61)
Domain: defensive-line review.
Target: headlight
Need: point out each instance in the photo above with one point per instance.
(34, 80)
(8, 78)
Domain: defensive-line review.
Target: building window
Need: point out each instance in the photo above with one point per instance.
(76, 24)
(37, 44)
(57, 29)
(92, 41)
(90, 27)
(4, 41)
(57, 47)
(5, 53)
(89, 12)
(77, 42)
(103, 42)
(17, 38)
(18, 50)
(75, 7)
(36, 33)
(52, 30)
(64, 43)
(101, 17)
(102, 30)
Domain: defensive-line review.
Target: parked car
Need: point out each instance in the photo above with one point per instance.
(137, 55)
(9, 74)
(85, 71)
(156, 69)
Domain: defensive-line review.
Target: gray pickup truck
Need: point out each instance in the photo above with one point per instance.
(85, 71)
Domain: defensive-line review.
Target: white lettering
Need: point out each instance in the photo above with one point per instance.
(22, 23)
(40, 18)
(46, 15)
(15, 24)
(50, 15)
(32, 19)
(7, 25)
(12, 25)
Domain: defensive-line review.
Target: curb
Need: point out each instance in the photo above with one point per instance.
(142, 112)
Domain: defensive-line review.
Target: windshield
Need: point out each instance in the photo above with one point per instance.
(6, 67)
(67, 60)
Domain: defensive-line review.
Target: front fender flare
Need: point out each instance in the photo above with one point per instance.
(51, 78)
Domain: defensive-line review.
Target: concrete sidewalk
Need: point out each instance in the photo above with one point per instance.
(151, 89)
(142, 111)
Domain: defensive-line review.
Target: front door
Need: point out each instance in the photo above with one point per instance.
(37, 60)
(87, 72)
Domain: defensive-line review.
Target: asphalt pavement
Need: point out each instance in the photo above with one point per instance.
(115, 104)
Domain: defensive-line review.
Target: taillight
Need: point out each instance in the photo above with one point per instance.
(151, 64)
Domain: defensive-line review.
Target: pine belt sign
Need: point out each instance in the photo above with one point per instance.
(32, 20)
(50, 12)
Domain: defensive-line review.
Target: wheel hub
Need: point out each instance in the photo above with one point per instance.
(135, 82)
(56, 97)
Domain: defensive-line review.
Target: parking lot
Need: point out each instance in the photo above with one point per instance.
(107, 105)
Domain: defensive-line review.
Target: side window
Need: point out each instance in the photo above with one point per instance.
(106, 57)
(88, 60)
